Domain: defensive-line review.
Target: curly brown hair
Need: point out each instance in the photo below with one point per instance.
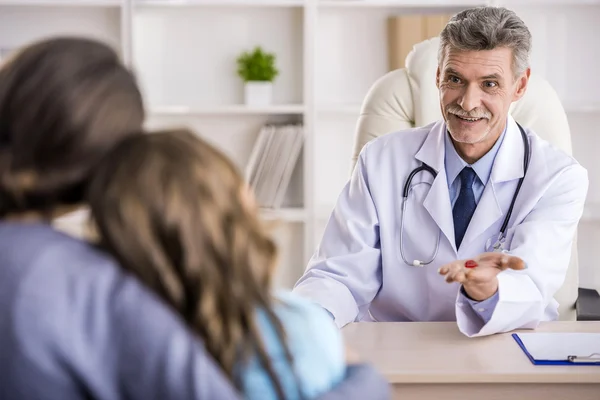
(173, 210)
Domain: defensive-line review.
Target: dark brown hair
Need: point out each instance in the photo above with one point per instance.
(176, 212)
(64, 102)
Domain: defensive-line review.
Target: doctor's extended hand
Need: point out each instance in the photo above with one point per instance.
(479, 275)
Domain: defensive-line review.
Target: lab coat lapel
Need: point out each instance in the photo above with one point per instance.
(437, 202)
(507, 166)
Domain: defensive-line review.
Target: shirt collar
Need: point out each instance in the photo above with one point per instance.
(482, 167)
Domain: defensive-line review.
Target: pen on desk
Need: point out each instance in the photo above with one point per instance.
(594, 358)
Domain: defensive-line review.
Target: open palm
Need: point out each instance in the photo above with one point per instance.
(480, 281)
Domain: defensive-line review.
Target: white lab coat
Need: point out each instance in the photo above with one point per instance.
(357, 272)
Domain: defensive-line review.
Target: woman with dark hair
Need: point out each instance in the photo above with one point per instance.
(74, 325)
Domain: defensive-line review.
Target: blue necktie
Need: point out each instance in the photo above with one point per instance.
(464, 207)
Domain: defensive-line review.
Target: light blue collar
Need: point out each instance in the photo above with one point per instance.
(482, 167)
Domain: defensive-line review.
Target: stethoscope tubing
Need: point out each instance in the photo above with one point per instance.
(424, 167)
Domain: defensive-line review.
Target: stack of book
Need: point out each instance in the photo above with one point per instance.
(272, 162)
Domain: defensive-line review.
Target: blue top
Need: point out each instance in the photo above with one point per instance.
(315, 344)
(74, 326)
(454, 164)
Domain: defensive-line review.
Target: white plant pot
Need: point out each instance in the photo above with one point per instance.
(258, 93)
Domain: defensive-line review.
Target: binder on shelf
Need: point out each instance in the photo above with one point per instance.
(560, 348)
(405, 31)
(272, 161)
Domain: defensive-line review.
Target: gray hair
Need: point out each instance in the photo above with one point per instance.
(487, 28)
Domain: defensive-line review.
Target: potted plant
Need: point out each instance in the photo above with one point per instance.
(258, 71)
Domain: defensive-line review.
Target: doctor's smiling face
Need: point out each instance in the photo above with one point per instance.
(477, 88)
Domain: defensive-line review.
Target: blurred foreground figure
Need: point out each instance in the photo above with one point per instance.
(74, 326)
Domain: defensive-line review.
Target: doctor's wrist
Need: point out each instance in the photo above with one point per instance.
(480, 291)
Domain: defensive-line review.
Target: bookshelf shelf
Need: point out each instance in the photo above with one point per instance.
(219, 3)
(182, 74)
(329, 53)
(62, 3)
(97, 19)
(285, 109)
(284, 214)
(343, 109)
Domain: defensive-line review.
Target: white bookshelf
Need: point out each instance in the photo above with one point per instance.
(329, 53)
(220, 3)
(62, 3)
(288, 109)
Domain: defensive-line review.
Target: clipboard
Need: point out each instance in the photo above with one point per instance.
(560, 348)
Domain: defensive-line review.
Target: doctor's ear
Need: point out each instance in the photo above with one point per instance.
(437, 78)
(521, 84)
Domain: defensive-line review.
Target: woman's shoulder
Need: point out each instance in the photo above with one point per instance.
(288, 298)
(292, 308)
(53, 249)
(315, 346)
(66, 285)
(314, 341)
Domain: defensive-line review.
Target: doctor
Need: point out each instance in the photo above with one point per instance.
(383, 258)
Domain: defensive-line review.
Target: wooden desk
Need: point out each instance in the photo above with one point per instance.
(433, 360)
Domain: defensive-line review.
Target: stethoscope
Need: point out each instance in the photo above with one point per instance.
(498, 244)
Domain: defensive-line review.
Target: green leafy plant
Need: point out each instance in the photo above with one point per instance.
(257, 65)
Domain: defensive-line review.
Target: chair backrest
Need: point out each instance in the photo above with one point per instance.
(408, 97)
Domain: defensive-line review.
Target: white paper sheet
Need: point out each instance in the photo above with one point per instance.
(559, 346)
